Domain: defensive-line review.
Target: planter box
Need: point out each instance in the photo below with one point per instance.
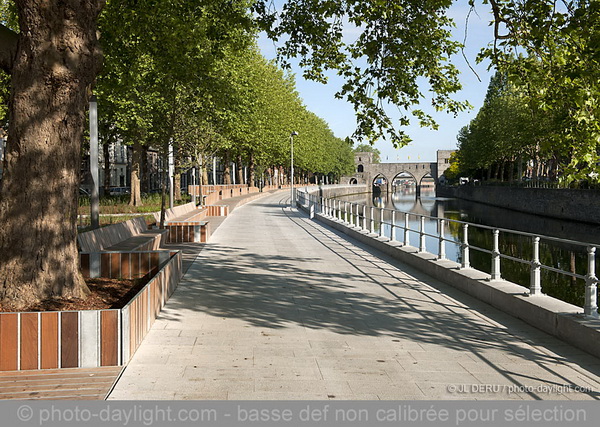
(92, 338)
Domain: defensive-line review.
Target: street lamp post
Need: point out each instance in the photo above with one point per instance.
(292, 135)
(95, 193)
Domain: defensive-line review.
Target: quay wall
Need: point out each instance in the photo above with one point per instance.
(566, 204)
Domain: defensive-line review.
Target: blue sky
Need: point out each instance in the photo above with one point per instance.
(339, 114)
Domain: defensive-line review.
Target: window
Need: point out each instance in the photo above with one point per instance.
(361, 169)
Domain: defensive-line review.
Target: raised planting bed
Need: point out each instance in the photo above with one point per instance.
(92, 338)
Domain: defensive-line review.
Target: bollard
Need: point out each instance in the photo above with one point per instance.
(496, 257)
(535, 285)
(466, 263)
(591, 285)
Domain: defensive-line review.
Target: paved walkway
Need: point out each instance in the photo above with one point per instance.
(277, 306)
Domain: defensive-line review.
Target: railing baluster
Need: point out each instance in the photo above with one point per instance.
(380, 222)
(364, 217)
(466, 263)
(393, 226)
(535, 282)
(591, 285)
(372, 218)
(442, 242)
(406, 230)
(496, 257)
(422, 244)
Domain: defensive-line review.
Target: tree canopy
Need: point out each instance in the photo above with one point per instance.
(192, 65)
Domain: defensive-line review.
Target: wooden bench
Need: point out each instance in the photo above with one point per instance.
(132, 235)
(186, 223)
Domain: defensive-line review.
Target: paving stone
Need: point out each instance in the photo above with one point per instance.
(277, 306)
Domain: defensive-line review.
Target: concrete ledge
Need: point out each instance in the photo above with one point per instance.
(558, 318)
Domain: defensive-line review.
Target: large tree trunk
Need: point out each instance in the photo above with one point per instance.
(240, 169)
(54, 63)
(204, 172)
(135, 198)
(251, 171)
(177, 180)
(227, 168)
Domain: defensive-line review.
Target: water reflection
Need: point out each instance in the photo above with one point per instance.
(560, 255)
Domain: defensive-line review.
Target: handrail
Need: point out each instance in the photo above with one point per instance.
(357, 216)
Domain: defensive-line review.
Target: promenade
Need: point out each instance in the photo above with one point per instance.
(278, 306)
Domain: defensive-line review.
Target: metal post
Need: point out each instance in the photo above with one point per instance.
(171, 174)
(496, 257)
(422, 245)
(95, 193)
(380, 222)
(194, 185)
(364, 217)
(393, 226)
(442, 241)
(406, 230)
(466, 263)
(591, 283)
(292, 167)
(372, 216)
(535, 285)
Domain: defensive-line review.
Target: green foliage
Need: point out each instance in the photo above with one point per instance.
(551, 54)
(398, 42)
(367, 148)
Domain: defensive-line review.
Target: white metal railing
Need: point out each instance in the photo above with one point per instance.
(355, 214)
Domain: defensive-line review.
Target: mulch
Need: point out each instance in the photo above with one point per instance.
(105, 294)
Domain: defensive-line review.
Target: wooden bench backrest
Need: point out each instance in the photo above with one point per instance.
(97, 240)
(175, 212)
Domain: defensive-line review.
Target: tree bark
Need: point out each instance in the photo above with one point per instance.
(204, 172)
(55, 63)
(227, 168)
(177, 179)
(252, 171)
(240, 169)
(135, 198)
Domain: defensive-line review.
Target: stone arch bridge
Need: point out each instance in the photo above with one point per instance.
(382, 175)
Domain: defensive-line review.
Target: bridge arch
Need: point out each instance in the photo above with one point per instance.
(426, 181)
(380, 184)
(353, 181)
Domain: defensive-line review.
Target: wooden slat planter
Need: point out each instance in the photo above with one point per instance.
(92, 338)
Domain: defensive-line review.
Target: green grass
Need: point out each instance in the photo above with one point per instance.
(120, 204)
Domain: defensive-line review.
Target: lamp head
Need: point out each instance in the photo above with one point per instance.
(294, 133)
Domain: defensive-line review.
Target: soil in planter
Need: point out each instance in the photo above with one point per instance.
(105, 294)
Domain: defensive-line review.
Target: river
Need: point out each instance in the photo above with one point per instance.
(559, 255)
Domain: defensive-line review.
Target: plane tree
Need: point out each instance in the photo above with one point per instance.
(54, 57)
